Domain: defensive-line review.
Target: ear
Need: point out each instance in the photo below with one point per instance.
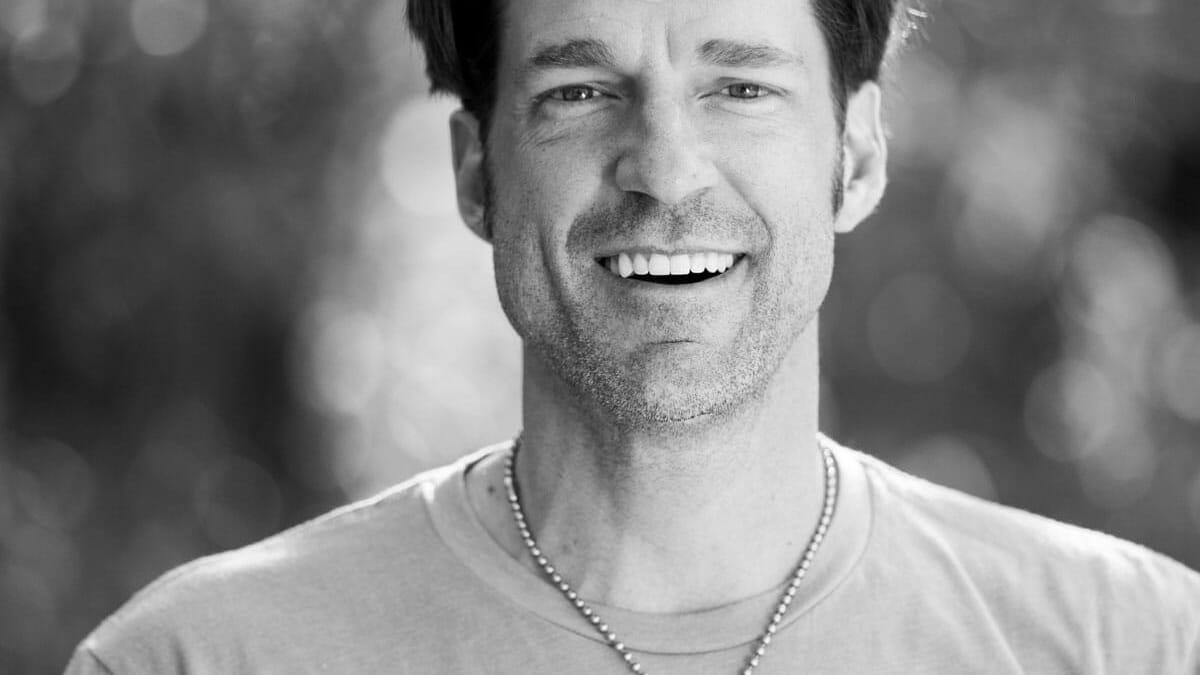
(864, 157)
(470, 186)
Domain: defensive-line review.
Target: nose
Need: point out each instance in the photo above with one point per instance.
(665, 157)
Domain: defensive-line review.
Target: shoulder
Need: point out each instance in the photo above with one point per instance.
(1059, 579)
(292, 582)
(979, 526)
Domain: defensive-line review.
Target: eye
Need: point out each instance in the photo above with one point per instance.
(575, 93)
(745, 90)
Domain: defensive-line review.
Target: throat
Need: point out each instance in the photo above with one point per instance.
(674, 560)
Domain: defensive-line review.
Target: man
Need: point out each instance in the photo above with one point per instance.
(661, 182)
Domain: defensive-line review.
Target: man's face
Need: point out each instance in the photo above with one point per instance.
(649, 130)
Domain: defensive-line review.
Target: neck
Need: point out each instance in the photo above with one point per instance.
(661, 520)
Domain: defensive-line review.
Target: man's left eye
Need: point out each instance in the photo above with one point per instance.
(745, 90)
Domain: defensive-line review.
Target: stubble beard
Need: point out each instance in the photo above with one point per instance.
(631, 392)
(639, 393)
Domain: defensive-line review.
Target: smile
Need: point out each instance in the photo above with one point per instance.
(676, 268)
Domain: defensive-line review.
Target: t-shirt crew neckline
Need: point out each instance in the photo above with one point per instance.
(725, 627)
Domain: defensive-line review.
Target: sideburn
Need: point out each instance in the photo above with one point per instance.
(839, 187)
(489, 196)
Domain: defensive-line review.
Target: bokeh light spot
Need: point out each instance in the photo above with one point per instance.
(345, 357)
(58, 486)
(8, 505)
(950, 461)
(237, 501)
(29, 610)
(1011, 174)
(1121, 471)
(22, 17)
(166, 27)
(1128, 8)
(415, 158)
(930, 100)
(156, 546)
(52, 553)
(405, 434)
(1193, 500)
(44, 64)
(361, 467)
(919, 328)
(1179, 372)
(1121, 276)
(1071, 409)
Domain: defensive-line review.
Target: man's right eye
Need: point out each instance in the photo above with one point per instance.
(575, 93)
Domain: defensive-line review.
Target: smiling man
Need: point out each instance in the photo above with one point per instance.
(661, 182)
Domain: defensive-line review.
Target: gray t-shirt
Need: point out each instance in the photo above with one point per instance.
(912, 578)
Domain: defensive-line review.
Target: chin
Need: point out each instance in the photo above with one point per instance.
(657, 389)
(657, 402)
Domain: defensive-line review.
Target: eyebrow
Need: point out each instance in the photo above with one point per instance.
(734, 54)
(578, 53)
(592, 53)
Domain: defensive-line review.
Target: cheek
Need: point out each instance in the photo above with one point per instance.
(521, 282)
(559, 183)
(783, 166)
(789, 182)
(792, 190)
(534, 202)
(539, 195)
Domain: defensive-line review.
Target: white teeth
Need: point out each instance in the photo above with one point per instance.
(660, 265)
(624, 265)
(681, 264)
(640, 264)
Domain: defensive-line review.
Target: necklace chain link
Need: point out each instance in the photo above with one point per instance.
(760, 644)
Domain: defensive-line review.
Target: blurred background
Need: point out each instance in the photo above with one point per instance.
(234, 291)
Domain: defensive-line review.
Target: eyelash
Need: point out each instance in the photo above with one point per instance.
(760, 89)
(559, 94)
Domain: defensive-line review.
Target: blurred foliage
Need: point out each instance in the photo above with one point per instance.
(234, 292)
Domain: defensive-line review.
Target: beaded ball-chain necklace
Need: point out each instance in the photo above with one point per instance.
(763, 641)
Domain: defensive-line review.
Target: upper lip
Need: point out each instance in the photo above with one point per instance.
(675, 249)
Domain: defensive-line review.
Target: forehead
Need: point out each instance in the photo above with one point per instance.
(636, 30)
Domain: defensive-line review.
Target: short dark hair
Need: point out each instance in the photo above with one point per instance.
(461, 41)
